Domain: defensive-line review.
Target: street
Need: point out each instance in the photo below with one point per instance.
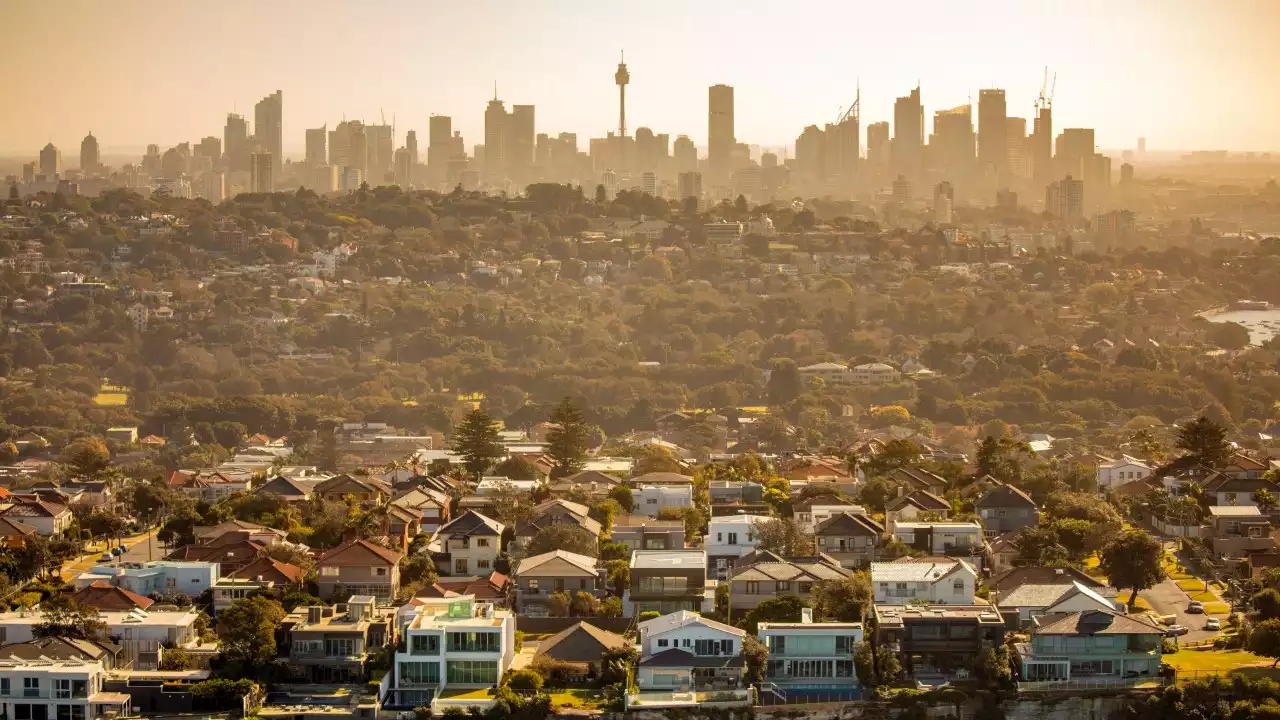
(1167, 598)
(72, 568)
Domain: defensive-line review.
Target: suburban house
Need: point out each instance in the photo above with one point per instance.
(1036, 604)
(728, 493)
(359, 567)
(653, 492)
(431, 507)
(912, 479)
(914, 506)
(333, 644)
(1121, 470)
(581, 646)
(49, 519)
(729, 538)
(764, 575)
(1236, 531)
(366, 490)
(264, 568)
(810, 653)
(875, 374)
(456, 643)
(592, 483)
(816, 508)
(63, 689)
(1094, 645)
(638, 532)
(820, 470)
(228, 590)
(494, 588)
(1004, 552)
(667, 581)
(156, 576)
(238, 530)
(688, 659)
(1223, 489)
(1005, 583)
(559, 571)
(14, 533)
(828, 372)
(549, 514)
(906, 581)
(467, 545)
(1242, 466)
(142, 634)
(105, 596)
(940, 538)
(938, 642)
(850, 538)
(290, 489)
(1006, 509)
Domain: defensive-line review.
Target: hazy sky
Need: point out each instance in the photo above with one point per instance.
(1184, 73)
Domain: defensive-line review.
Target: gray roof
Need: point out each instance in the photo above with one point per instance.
(1035, 596)
(1100, 622)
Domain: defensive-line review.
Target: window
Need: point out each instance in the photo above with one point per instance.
(733, 538)
(1231, 498)
(719, 537)
(651, 501)
(472, 642)
(533, 585)
(424, 644)
(472, 672)
(22, 711)
(582, 584)
(4, 686)
(482, 542)
(460, 566)
(753, 587)
(784, 586)
(662, 642)
(171, 582)
(958, 585)
(805, 587)
(482, 564)
(420, 673)
(329, 571)
(844, 643)
(340, 647)
(70, 712)
(380, 572)
(31, 686)
(62, 689)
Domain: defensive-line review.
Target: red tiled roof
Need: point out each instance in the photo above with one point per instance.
(105, 596)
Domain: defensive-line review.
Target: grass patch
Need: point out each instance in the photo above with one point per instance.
(1215, 661)
(111, 399)
(1217, 608)
(478, 694)
(1140, 606)
(583, 698)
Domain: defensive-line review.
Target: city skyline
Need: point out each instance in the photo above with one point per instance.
(1109, 77)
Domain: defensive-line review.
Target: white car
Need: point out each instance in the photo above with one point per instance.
(1213, 624)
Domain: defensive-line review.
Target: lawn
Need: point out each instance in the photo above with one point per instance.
(1141, 604)
(585, 698)
(111, 399)
(1216, 661)
(1217, 608)
(480, 694)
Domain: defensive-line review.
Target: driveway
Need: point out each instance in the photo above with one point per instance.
(1167, 598)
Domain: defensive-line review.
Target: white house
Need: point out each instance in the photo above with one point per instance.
(451, 643)
(730, 537)
(497, 485)
(811, 516)
(649, 499)
(144, 578)
(467, 545)
(899, 583)
(684, 656)
(810, 653)
(141, 633)
(58, 689)
(875, 374)
(938, 538)
(828, 372)
(1122, 470)
(1034, 601)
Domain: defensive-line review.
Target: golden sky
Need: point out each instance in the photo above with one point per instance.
(1186, 74)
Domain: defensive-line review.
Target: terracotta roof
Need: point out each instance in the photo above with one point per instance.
(14, 528)
(271, 569)
(105, 596)
(332, 557)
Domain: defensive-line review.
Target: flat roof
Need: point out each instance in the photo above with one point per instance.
(1234, 511)
(944, 525)
(897, 615)
(814, 626)
(660, 559)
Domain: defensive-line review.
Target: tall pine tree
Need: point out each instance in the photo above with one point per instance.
(476, 440)
(567, 441)
(1204, 440)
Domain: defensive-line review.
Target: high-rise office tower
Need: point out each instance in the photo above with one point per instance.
(1126, 173)
(1041, 143)
(212, 186)
(646, 150)
(944, 198)
(348, 147)
(1075, 148)
(411, 144)
(768, 160)
(439, 148)
(380, 143)
(268, 128)
(685, 155)
(622, 77)
(1017, 158)
(495, 119)
(1065, 198)
(518, 133)
(210, 147)
(720, 137)
(690, 185)
(235, 143)
(951, 145)
(89, 156)
(878, 152)
(50, 162)
(993, 146)
(28, 173)
(263, 177)
(318, 145)
(811, 156)
(403, 168)
(908, 135)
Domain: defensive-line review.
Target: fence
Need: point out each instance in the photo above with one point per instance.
(771, 694)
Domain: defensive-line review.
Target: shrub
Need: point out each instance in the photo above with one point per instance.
(454, 713)
(649, 615)
(526, 679)
(175, 659)
(1169, 646)
(558, 674)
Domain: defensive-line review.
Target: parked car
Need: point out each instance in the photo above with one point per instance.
(1196, 607)
(106, 557)
(1213, 624)
(1176, 630)
(117, 550)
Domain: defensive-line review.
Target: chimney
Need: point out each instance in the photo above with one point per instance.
(313, 614)
(806, 616)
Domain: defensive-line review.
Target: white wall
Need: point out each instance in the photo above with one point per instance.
(693, 631)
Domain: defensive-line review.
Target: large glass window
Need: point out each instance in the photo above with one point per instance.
(340, 647)
(472, 672)
(473, 642)
(70, 712)
(420, 673)
(664, 585)
(424, 644)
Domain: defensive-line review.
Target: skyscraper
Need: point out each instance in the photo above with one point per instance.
(235, 143)
(944, 198)
(403, 167)
(263, 178)
(411, 144)
(690, 185)
(993, 146)
(908, 135)
(439, 148)
(1017, 160)
(348, 147)
(878, 152)
(1065, 198)
(1041, 143)
(380, 142)
(720, 137)
(210, 147)
(685, 155)
(318, 145)
(518, 133)
(811, 155)
(89, 156)
(268, 128)
(50, 162)
(951, 145)
(1074, 151)
(622, 77)
(495, 119)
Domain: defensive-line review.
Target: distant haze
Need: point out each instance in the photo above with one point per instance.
(1186, 74)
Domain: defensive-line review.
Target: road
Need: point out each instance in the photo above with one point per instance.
(1167, 598)
(72, 568)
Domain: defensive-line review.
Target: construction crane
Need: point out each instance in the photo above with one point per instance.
(855, 110)
(1045, 102)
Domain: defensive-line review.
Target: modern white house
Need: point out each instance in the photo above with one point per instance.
(58, 689)
(810, 653)
(939, 538)
(495, 485)
(649, 499)
(686, 659)
(157, 576)
(728, 538)
(899, 583)
(828, 372)
(141, 634)
(875, 374)
(1122, 470)
(453, 643)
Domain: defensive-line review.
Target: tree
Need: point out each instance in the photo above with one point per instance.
(476, 440)
(65, 617)
(525, 679)
(1132, 560)
(558, 604)
(584, 604)
(175, 659)
(786, 608)
(875, 665)
(847, 599)
(756, 656)
(604, 512)
(619, 574)
(991, 667)
(785, 383)
(87, 457)
(1266, 604)
(1205, 441)
(876, 492)
(895, 454)
(622, 495)
(654, 458)
(564, 537)
(1228, 335)
(246, 632)
(1265, 500)
(1264, 640)
(783, 536)
(568, 439)
(517, 468)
